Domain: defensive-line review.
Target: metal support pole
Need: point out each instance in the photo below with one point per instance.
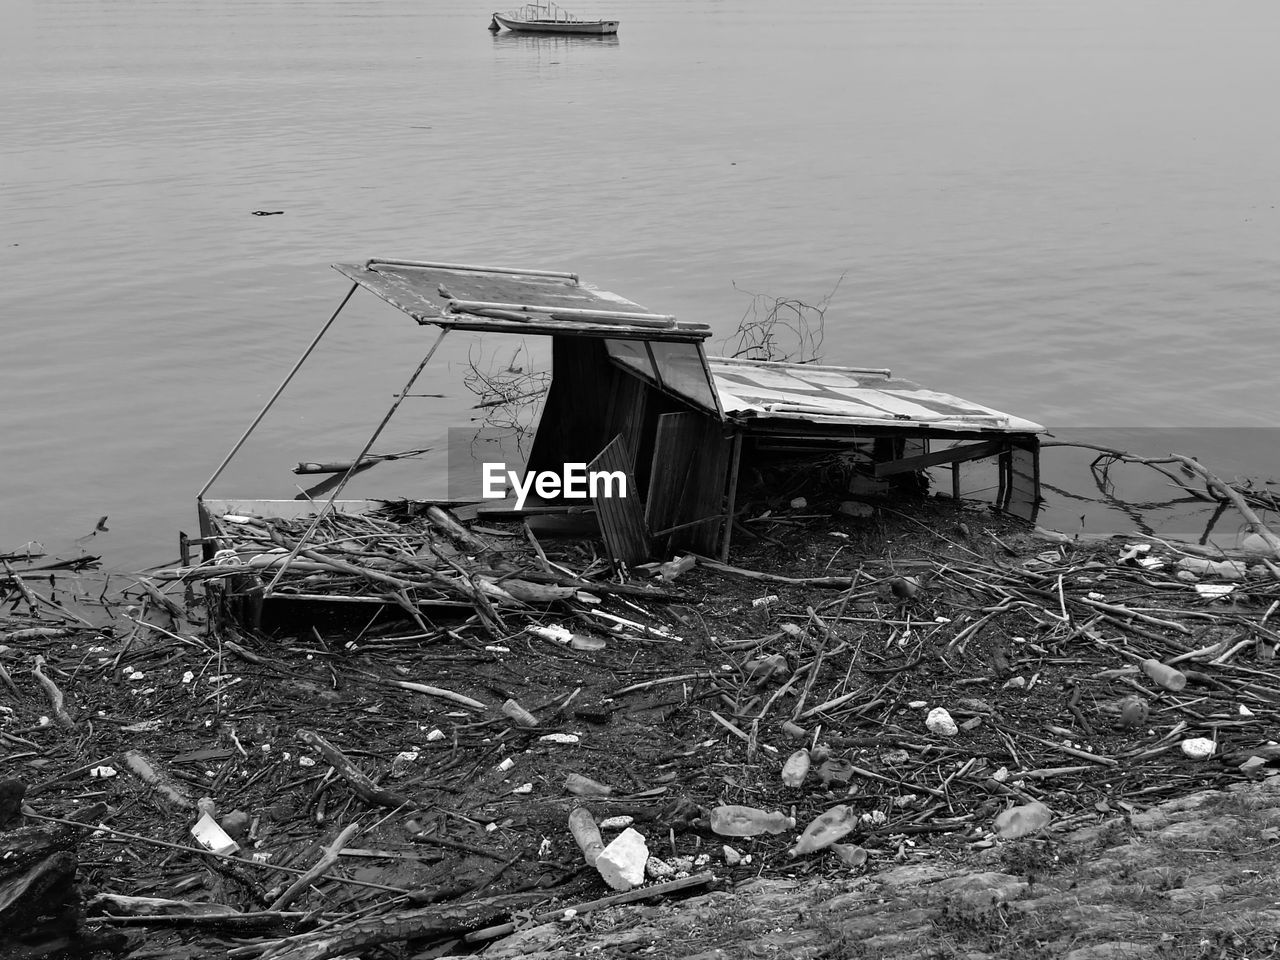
(328, 504)
(275, 396)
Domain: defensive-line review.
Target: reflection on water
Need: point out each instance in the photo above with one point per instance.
(555, 43)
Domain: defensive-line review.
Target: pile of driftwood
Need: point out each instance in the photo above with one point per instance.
(915, 674)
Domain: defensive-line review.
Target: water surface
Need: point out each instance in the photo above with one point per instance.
(1064, 210)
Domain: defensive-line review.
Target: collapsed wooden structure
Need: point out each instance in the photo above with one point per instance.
(635, 391)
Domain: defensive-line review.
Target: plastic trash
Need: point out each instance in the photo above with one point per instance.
(1164, 676)
(1199, 748)
(622, 862)
(674, 568)
(796, 768)
(582, 786)
(212, 837)
(1257, 544)
(825, 829)
(1214, 591)
(1023, 821)
(850, 854)
(732, 820)
(583, 827)
(1226, 569)
(519, 714)
(939, 721)
(794, 731)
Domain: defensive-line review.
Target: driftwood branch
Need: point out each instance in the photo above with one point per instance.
(331, 852)
(56, 698)
(368, 791)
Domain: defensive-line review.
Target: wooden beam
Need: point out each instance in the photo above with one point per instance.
(973, 451)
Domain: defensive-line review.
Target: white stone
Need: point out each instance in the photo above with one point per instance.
(622, 862)
(1199, 748)
(731, 856)
(939, 721)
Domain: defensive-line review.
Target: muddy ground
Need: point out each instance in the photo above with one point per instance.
(1033, 644)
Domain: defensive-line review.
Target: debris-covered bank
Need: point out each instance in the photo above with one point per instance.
(931, 678)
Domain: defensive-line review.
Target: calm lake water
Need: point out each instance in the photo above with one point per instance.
(1065, 210)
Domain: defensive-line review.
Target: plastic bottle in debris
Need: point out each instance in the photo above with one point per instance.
(519, 714)
(583, 827)
(732, 820)
(825, 829)
(1164, 675)
(582, 786)
(796, 768)
(1023, 821)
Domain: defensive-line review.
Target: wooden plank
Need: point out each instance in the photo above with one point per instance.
(423, 293)
(572, 427)
(731, 495)
(621, 518)
(974, 451)
(687, 482)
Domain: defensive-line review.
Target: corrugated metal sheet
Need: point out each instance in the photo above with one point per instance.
(835, 395)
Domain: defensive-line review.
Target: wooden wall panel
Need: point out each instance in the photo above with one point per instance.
(687, 481)
(621, 518)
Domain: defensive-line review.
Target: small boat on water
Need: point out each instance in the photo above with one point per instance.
(546, 17)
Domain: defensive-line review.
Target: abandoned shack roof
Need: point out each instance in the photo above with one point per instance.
(769, 390)
(505, 300)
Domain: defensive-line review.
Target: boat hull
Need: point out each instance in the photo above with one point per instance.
(588, 27)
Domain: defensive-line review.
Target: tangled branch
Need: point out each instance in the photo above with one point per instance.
(780, 328)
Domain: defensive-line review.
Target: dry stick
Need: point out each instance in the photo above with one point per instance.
(537, 548)
(640, 893)
(8, 680)
(22, 587)
(299, 886)
(399, 587)
(99, 827)
(835, 583)
(55, 696)
(444, 522)
(173, 794)
(897, 783)
(664, 680)
(1134, 614)
(822, 648)
(439, 692)
(170, 607)
(328, 504)
(366, 788)
(41, 598)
